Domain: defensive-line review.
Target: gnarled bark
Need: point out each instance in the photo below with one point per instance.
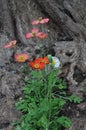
(67, 32)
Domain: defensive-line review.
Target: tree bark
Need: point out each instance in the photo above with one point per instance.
(67, 35)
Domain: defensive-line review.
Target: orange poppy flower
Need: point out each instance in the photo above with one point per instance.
(38, 60)
(11, 44)
(45, 60)
(21, 57)
(37, 65)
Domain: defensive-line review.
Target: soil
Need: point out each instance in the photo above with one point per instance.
(11, 84)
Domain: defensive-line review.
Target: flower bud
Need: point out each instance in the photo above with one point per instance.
(50, 58)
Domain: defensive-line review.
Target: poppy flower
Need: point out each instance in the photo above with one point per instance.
(11, 44)
(33, 33)
(45, 60)
(21, 57)
(41, 21)
(42, 35)
(37, 65)
(38, 60)
(55, 62)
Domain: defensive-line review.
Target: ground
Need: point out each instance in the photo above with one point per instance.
(11, 84)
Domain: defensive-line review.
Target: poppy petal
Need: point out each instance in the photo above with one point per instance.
(29, 35)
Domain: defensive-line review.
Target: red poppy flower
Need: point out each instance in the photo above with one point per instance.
(41, 21)
(45, 60)
(11, 44)
(38, 60)
(37, 65)
(21, 57)
(33, 33)
(42, 35)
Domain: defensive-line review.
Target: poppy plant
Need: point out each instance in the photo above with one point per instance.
(41, 21)
(11, 44)
(33, 33)
(21, 57)
(41, 35)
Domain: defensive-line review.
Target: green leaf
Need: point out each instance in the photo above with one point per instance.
(28, 89)
(27, 80)
(36, 74)
(60, 86)
(76, 99)
(54, 125)
(22, 105)
(58, 103)
(64, 121)
(43, 121)
(44, 105)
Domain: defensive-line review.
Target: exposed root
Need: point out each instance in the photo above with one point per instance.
(68, 53)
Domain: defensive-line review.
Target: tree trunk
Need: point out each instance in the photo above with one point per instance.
(66, 28)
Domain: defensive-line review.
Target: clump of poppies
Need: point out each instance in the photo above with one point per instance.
(39, 63)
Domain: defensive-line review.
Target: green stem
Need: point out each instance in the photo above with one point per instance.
(50, 96)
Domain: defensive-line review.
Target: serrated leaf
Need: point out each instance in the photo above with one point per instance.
(58, 103)
(64, 121)
(74, 98)
(60, 86)
(43, 121)
(44, 105)
(35, 74)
